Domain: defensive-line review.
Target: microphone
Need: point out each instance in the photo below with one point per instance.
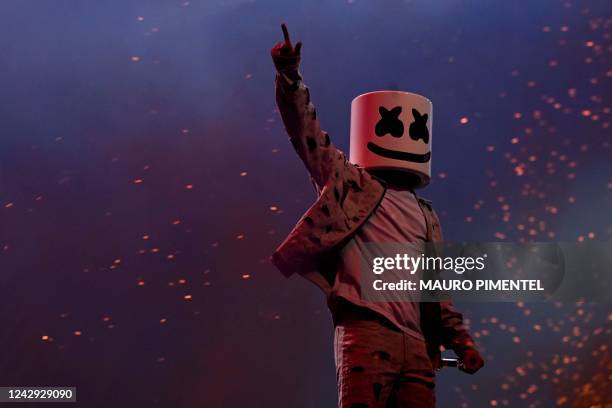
(452, 362)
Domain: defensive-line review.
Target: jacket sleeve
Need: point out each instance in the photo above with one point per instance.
(454, 333)
(321, 158)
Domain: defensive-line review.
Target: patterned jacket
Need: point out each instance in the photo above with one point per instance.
(347, 196)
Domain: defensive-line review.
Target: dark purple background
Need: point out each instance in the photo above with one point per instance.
(115, 127)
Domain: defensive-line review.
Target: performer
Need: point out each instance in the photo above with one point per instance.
(386, 352)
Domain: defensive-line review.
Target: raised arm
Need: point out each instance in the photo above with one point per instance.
(322, 160)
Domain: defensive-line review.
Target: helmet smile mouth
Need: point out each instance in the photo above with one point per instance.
(397, 155)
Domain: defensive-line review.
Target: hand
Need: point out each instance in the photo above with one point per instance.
(284, 54)
(472, 361)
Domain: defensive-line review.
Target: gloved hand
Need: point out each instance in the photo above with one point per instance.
(471, 359)
(285, 56)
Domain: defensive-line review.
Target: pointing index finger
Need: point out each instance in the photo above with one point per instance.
(286, 34)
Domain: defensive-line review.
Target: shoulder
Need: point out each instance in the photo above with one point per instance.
(428, 206)
(425, 201)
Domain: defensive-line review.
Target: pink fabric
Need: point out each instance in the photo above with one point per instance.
(381, 367)
(398, 219)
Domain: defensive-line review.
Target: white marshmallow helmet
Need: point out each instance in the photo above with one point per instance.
(391, 130)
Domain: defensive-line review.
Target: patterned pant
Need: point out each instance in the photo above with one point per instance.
(380, 366)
